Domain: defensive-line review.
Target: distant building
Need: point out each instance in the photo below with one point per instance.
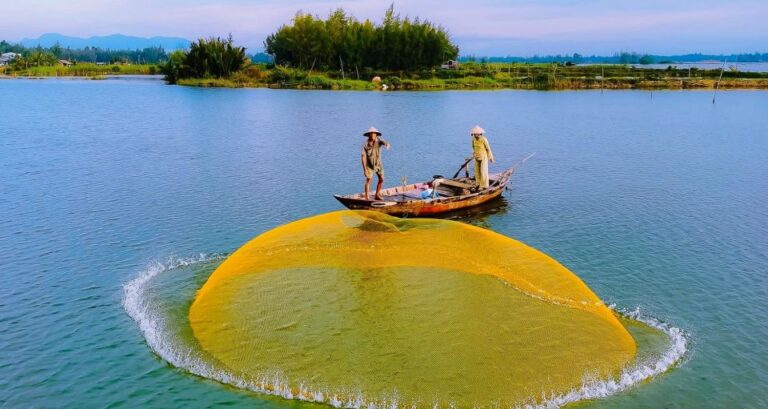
(5, 58)
(66, 63)
(450, 65)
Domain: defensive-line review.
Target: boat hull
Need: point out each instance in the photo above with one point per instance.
(400, 201)
(420, 208)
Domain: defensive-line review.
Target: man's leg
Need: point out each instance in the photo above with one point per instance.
(367, 186)
(484, 174)
(478, 173)
(379, 185)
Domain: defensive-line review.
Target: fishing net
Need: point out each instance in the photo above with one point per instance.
(359, 308)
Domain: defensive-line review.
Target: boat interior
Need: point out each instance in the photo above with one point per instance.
(446, 188)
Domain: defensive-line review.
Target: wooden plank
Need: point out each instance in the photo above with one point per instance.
(456, 183)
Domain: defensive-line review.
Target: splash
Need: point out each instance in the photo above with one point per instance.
(362, 309)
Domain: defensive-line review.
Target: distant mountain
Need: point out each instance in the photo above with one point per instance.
(110, 42)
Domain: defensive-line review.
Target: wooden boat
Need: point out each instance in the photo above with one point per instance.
(453, 194)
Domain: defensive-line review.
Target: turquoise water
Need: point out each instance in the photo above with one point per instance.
(657, 200)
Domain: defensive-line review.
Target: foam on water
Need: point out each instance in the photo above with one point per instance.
(161, 339)
(642, 371)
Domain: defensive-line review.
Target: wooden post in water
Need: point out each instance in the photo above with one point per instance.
(529, 76)
(602, 79)
(717, 86)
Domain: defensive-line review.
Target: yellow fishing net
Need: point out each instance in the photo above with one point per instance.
(361, 308)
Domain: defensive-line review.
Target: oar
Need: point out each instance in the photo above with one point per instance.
(455, 175)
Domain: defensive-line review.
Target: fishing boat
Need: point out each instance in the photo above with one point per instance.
(451, 194)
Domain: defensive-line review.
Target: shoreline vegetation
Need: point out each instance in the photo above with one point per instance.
(343, 53)
(469, 76)
(490, 76)
(85, 70)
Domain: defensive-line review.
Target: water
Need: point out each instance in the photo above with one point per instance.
(712, 65)
(715, 65)
(656, 200)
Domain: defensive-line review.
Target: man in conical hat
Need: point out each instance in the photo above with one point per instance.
(481, 152)
(371, 159)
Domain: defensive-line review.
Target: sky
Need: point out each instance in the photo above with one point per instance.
(479, 27)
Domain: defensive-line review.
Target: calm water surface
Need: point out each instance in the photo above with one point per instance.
(657, 200)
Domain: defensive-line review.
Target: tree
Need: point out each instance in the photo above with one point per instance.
(395, 44)
(646, 59)
(207, 58)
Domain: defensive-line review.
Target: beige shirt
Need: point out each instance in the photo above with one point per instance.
(372, 154)
(481, 150)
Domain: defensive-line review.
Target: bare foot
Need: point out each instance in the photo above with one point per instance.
(379, 198)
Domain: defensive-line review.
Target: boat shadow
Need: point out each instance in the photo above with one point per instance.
(478, 215)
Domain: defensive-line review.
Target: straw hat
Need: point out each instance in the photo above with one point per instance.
(372, 130)
(477, 130)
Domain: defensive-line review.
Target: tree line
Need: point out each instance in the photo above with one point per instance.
(150, 55)
(623, 58)
(342, 42)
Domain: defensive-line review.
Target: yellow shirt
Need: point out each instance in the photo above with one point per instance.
(481, 150)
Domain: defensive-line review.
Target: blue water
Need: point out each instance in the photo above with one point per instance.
(657, 200)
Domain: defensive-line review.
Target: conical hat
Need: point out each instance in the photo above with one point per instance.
(371, 130)
(477, 130)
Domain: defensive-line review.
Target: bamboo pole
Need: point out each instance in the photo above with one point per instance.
(717, 86)
(602, 79)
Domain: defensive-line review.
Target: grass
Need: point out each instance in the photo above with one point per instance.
(83, 70)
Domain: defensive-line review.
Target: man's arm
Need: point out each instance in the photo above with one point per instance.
(488, 149)
(384, 143)
(362, 159)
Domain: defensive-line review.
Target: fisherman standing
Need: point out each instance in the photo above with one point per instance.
(371, 159)
(481, 152)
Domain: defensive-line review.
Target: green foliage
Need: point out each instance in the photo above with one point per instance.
(81, 70)
(280, 75)
(646, 59)
(6, 47)
(395, 44)
(544, 80)
(35, 58)
(151, 55)
(393, 81)
(207, 58)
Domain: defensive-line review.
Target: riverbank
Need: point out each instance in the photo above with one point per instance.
(490, 76)
(482, 83)
(471, 76)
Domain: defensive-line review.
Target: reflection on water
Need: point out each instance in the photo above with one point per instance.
(479, 215)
